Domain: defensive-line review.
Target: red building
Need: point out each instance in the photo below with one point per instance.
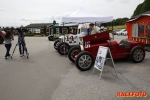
(138, 28)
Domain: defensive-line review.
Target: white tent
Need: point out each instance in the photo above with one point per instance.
(83, 16)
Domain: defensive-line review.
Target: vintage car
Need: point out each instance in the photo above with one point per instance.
(85, 55)
(65, 42)
(1, 37)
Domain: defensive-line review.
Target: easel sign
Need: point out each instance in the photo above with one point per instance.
(101, 59)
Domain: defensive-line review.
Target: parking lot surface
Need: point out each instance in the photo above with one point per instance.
(46, 75)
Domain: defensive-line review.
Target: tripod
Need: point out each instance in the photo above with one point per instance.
(25, 49)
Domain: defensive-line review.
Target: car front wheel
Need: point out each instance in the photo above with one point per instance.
(56, 43)
(84, 61)
(63, 48)
(73, 52)
(137, 54)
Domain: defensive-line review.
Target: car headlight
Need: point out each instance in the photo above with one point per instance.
(82, 48)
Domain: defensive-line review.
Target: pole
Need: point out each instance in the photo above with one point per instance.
(112, 29)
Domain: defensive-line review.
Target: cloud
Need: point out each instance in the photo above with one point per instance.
(109, 0)
(124, 1)
(24, 19)
(2, 9)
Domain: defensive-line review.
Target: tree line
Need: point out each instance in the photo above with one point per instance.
(141, 8)
(7, 28)
(116, 22)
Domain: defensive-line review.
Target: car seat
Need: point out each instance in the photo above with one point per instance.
(125, 44)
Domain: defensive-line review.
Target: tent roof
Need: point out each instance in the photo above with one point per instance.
(82, 15)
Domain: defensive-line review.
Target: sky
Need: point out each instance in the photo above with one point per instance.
(23, 12)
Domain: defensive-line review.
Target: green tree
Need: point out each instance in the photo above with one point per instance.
(141, 8)
(12, 29)
(145, 7)
(137, 10)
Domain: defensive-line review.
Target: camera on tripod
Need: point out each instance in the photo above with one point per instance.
(22, 31)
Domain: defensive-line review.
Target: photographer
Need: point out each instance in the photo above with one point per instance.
(8, 37)
(21, 42)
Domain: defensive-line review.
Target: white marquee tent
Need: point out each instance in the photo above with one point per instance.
(83, 16)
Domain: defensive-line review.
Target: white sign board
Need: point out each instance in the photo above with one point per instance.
(101, 59)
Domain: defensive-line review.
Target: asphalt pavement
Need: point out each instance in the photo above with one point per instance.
(46, 75)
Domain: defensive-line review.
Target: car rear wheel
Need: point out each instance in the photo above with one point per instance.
(73, 52)
(137, 54)
(63, 48)
(56, 43)
(84, 61)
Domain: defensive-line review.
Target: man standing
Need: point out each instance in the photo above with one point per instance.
(21, 42)
(92, 30)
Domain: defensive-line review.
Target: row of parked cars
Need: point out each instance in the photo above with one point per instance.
(82, 50)
(121, 32)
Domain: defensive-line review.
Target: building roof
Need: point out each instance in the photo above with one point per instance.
(148, 12)
(138, 16)
(39, 25)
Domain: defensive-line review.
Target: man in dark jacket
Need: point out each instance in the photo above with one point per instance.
(21, 41)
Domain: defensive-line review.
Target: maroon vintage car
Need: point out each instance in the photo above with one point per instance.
(84, 55)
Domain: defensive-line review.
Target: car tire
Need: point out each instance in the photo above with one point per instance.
(56, 43)
(86, 64)
(1, 40)
(61, 48)
(51, 38)
(73, 52)
(137, 54)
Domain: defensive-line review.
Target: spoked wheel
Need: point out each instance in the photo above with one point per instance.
(137, 54)
(73, 53)
(63, 48)
(56, 43)
(84, 61)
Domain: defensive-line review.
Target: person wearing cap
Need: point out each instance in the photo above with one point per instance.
(92, 30)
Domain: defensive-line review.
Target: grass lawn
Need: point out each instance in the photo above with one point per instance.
(118, 27)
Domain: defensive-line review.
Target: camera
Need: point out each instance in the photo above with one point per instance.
(22, 30)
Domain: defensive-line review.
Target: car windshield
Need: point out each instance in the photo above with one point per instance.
(83, 30)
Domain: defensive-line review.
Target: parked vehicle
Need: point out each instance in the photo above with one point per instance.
(120, 32)
(56, 31)
(1, 37)
(115, 31)
(125, 33)
(67, 41)
(84, 55)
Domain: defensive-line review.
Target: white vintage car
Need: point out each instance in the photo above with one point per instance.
(65, 42)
